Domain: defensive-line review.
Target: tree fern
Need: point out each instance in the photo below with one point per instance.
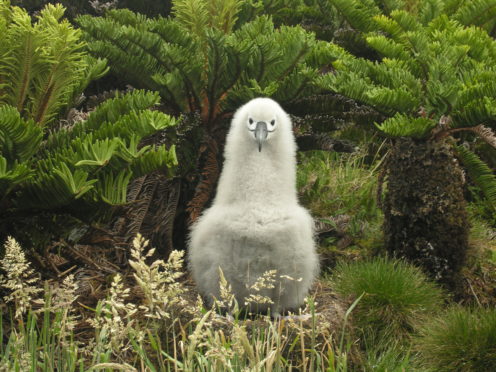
(431, 78)
(205, 60)
(208, 74)
(434, 70)
(83, 168)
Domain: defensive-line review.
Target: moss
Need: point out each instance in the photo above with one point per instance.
(425, 218)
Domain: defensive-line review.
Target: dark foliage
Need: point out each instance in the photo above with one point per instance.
(79, 7)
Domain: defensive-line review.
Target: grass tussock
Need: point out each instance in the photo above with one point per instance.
(395, 297)
(394, 358)
(460, 339)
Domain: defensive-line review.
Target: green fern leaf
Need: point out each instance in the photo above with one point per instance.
(54, 189)
(11, 176)
(193, 15)
(359, 13)
(407, 126)
(480, 173)
(130, 152)
(98, 153)
(475, 112)
(76, 182)
(19, 139)
(158, 158)
(476, 12)
(21, 61)
(113, 189)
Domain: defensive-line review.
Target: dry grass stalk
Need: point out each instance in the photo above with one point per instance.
(19, 278)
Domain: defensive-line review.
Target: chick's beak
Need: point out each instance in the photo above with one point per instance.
(261, 133)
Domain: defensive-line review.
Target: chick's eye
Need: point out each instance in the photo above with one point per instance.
(272, 122)
(250, 121)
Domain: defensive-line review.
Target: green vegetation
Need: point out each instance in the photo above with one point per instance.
(340, 191)
(43, 67)
(433, 78)
(459, 340)
(84, 168)
(75, 168)
(205, 63)
(127, 333)
(92, 162)
(395, 297)
(333, 184)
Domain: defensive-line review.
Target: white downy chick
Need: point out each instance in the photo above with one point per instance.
(255, 223)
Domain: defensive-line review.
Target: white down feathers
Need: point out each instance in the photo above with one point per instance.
(255, 223)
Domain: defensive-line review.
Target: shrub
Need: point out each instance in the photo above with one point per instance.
(433, 78)
(206, 60)
(65, 168)
(459, 340)
(396, 297)
(82, 171)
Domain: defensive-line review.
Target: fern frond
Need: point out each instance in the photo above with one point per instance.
(480, 173)
(398, 22)
(347, 83)
(138, 124)
(407, 126)
(393, 99)
(11, 176)
(431, 9)
(475, 112)
(438, 67)
(196, 16)
(223, 14)
(477, 86)
(53, 88)
(115, 117)
(476, 12)
(387, 47)
(22, 61)
(153, 160)
(41, 64)
(211, 74)
(112, 189)
(193, 15)
(54, 189)
(126, 17)
(97, 152)
(19, 139)
(358, 13)
(114, 108)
